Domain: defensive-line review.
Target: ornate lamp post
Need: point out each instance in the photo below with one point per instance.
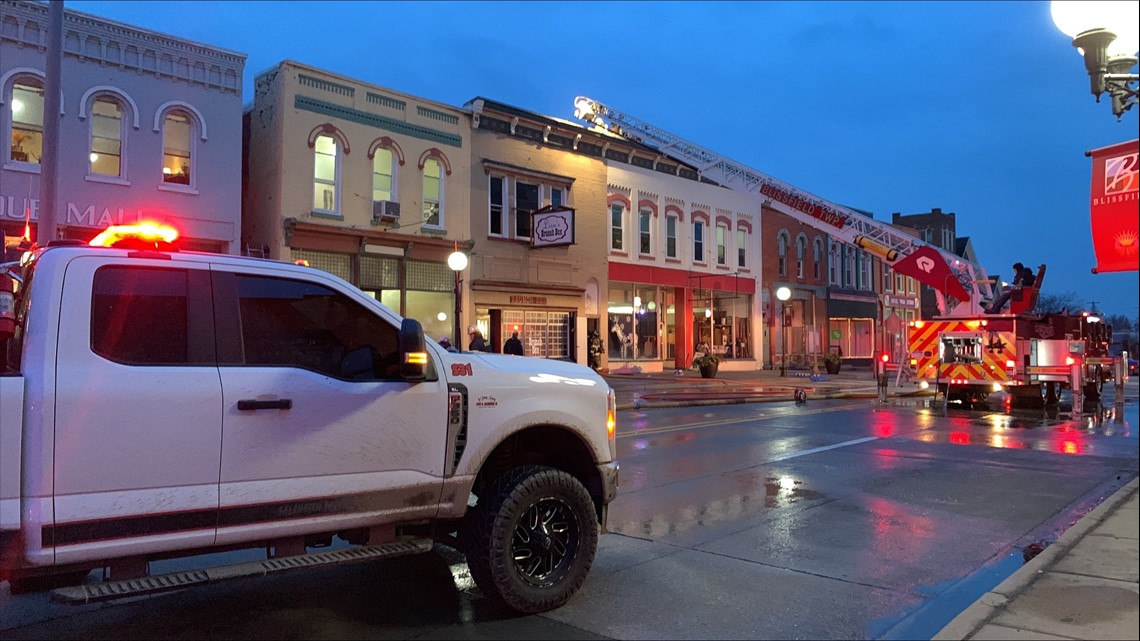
(1107, 34)
(457, 261)
(783, 294)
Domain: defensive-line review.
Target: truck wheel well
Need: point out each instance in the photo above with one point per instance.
(547, 445)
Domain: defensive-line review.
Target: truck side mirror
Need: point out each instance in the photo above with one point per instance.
(413, 354)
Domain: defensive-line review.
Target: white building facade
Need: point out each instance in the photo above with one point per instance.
(150, 129)
(684, 268)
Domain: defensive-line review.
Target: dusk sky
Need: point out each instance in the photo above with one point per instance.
(979, 108)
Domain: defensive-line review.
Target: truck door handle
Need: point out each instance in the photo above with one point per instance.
(251, 404)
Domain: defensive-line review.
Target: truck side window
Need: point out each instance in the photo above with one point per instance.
(140, 316)
(291, 323)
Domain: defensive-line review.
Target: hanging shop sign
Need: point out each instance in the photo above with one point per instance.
(552, 226)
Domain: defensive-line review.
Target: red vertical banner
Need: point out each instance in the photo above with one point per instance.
(1113, 206)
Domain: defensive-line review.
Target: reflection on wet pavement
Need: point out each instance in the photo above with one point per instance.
(699, 506)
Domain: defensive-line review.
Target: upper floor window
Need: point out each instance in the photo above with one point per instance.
(801, 251)
(741, 248)
(496, 225)
(326, 175)
(698, 241)
(27, 101)
(433, 193)
(177, 130)
(866, 268)
(900, 283)
(817, 257)
(645, 231)
(848, 267)
(928, 235)
(555, 196)
(833, 265)
(887, 281)
(782, 254)
(671, 236)
(107, 137)
(947, 238)
(526, 201)
(617, 213)
(383, 175)
(721, 245)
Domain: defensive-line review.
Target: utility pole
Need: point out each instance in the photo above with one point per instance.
(49, 160)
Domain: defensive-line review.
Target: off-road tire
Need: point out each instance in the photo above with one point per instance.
(522, 500)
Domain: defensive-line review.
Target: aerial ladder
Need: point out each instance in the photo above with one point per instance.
(961, 287)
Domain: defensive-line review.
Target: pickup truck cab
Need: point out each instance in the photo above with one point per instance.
(158, 403)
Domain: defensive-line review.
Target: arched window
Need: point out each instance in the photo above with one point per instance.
(849, 266)
(177, 148)
(383, 175)
(326, 175)
(27, 123)
(433, 193)
(817, 256)
(721, 244)
(698, 241)
(782, 252)
(833, 265)
(107, 133)
(801, 250)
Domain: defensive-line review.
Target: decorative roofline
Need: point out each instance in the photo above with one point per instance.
(88, 37)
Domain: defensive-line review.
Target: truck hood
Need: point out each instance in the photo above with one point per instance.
(541, 370)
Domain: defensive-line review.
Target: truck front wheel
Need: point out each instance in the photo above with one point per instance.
(531, 539)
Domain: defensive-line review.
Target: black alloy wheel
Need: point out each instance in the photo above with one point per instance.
(546, 542)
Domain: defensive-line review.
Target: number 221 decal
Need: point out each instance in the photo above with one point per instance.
(461, 369)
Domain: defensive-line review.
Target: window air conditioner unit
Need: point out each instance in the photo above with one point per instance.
(385, 211)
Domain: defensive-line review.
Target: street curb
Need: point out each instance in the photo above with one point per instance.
(989, 605)
(653, 405)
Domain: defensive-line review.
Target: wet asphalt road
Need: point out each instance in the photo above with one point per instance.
(836, 519)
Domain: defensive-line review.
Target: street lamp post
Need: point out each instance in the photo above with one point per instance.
(457, 261)
(1107, 34)
(783, 294)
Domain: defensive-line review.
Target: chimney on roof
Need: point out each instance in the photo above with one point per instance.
(936, 210)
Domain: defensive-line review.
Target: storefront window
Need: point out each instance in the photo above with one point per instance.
(854, 336)
(545, 334)
(633, 323)
(721, 322)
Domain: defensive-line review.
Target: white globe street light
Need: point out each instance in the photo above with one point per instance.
(783, 293)
(457, 261)
(1107, 34)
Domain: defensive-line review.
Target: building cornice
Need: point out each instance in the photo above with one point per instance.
(90, 38)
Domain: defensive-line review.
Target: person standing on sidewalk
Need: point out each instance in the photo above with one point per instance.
(513, 345)
(477, 343)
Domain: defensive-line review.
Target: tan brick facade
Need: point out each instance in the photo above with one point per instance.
(551, 295)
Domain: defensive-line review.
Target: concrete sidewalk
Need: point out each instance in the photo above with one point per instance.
(1084, 586)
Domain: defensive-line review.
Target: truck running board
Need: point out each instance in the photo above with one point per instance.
(81, 594)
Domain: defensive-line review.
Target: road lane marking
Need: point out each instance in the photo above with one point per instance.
(730, 421)
(816, 450)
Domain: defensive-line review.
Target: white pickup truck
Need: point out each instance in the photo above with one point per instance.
(157, 404)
